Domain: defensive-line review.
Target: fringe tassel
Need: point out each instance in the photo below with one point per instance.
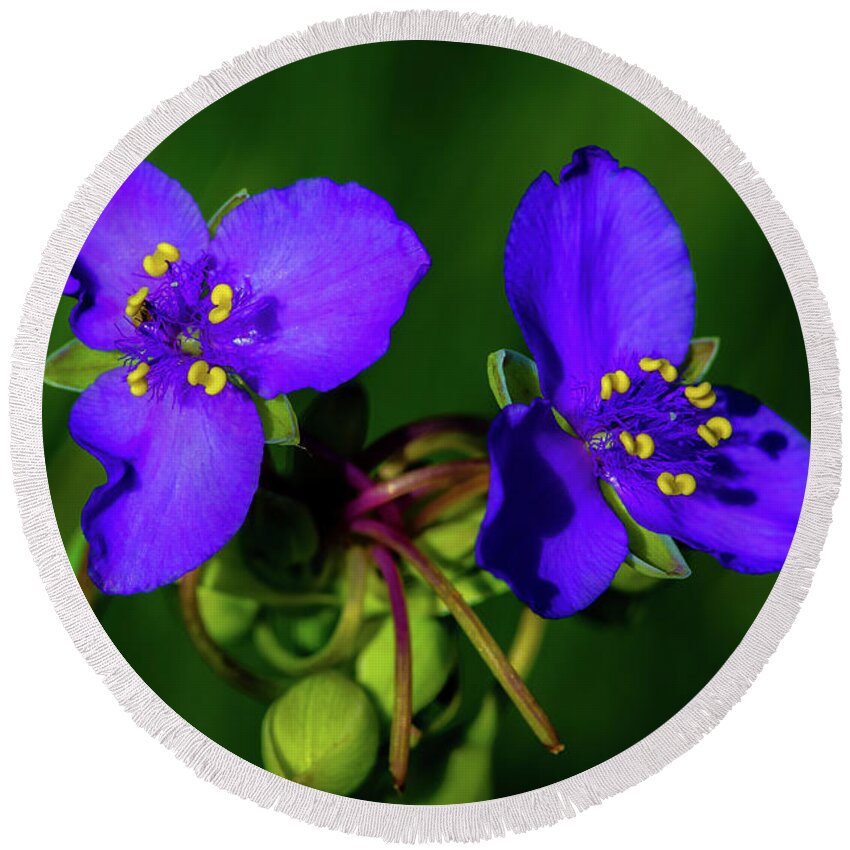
(474, 821)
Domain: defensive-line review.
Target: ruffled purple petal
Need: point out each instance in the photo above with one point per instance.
(598, 276)
(547, 531)
(149, 208)
(321, 272)
(747, 504)
(180, 479)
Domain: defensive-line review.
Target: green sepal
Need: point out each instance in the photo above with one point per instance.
(698, 361)
(323, 732)
(513, 377)
(74, 366)
(230, 204)
(280, 424)
(434, 652)
(650, 554)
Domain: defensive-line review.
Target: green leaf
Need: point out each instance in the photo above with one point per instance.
(323, 732)
(434, 653)
(700, 356)
(513, 378)
(230, 204)
(651, 554)
(280, 424)
(74, 366)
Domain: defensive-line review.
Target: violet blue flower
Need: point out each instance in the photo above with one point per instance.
(298, 288)
(598, 276)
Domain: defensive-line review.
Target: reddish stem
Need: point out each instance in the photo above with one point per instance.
(402, 720)
(475, 630)
(419, 481)
(456, 495)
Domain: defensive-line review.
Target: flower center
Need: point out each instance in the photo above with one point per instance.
(170, 316)
(647, 424)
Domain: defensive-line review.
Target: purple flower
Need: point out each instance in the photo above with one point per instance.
(298, 288)
(599, 279)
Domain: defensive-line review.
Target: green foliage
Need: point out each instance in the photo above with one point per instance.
(434, 653)
(74, 366)
(323, 732)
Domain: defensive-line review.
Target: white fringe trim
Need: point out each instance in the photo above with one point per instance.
(474, 821)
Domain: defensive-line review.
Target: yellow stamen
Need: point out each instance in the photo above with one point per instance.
(222, 298)
(716, 429)
(659, 364)
(137, 379)
(708, 435)
(721, 426)
(135, 302)
(645, 446)
(683, 484)
(212, 379)
(156, 264)
(701, 396)
(614, 382)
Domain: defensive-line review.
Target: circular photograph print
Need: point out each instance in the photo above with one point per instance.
(426, 422)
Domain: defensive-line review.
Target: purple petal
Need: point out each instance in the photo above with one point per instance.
(547, 532)
(180, 479)
(330, 268)
(598, 276)
(149, 208)
(746, 508)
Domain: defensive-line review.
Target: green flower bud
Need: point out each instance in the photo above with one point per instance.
(433, 651)
(225, 617)
(323, 732)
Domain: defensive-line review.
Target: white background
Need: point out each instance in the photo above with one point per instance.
(76, 77)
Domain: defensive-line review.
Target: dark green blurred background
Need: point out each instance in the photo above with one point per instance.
(452, 135)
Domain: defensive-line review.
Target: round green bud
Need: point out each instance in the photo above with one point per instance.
(433, 652)
(323, 732)
(226, 617)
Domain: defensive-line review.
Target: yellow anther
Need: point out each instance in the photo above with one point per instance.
(716, 429)
(708, 435)
(721, 426)
(683, 484)
(645, 446)
(701, 396)
(168, 252)
(137, 379)
(135, 302)
(212, 380)
(222, 298)
(614, 382)
(156, 264)
(197, 372)
(659, 364)
(216, 381)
